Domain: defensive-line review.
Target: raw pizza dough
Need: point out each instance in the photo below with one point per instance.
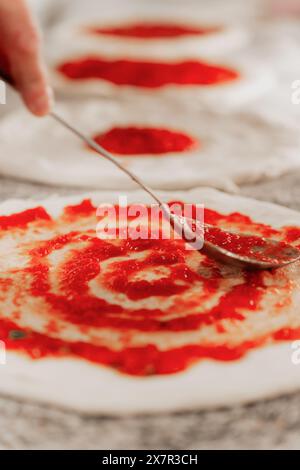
(253, 81)
(233, 17)
(232, 150)
(77, 30)
(70, 41)
(278, 44)
(71, 382)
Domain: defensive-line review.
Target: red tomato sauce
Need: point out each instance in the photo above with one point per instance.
(23, 219)
(144, 141)
(146, 74)
(73, 301)
(249, 246)
(153, 30)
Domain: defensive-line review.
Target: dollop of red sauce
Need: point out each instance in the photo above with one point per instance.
(153, 30)
(145, 141)
(23, 219)
(146, 74)
(136, 307)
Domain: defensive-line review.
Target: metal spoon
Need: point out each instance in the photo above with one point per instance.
(273, 254)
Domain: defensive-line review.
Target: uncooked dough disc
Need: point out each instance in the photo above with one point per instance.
(74, 39)
(215, 150)
(130, 326)
(154, 32)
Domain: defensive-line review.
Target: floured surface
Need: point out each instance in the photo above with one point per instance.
(225, 151)
(184, 343)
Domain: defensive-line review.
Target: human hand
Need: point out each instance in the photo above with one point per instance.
(21, 55)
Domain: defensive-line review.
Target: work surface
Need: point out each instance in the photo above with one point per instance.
(267, 424)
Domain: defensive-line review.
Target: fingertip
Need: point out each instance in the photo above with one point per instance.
(40, 104)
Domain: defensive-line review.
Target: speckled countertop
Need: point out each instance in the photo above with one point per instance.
(267, 424)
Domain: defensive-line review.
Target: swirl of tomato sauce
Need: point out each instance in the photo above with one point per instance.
(140, 306)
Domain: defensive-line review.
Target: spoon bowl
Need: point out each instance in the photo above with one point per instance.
(235, 248)
(272, 255)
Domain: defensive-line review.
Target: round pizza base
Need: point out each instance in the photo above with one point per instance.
(93, 389)
(76, 35)
(232, 150)
(68, 41)
(254, 81)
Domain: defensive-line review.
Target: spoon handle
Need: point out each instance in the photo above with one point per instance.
(99, 149)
